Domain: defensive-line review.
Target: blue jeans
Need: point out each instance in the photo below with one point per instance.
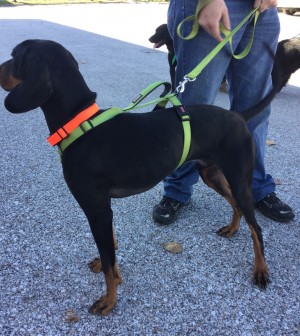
(249, 81)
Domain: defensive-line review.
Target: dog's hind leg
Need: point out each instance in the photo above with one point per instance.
(238, 194)
(213, 177)
(260, 272)
(95, 265)
(240, 183)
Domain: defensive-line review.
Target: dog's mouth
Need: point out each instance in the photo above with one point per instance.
(157, 45)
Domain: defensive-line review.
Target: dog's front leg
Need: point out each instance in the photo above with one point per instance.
(95, 265)
(106, 302)
(93, 197)
(100, 219)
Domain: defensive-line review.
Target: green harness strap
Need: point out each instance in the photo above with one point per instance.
(87, 126)
(161, 102)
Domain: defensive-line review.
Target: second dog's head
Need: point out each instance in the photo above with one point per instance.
(288, 58)
(162, 37)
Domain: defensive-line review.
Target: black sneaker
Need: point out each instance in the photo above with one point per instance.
(272, 207)
(166, 211)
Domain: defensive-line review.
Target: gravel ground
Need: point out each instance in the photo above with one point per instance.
(45, 242)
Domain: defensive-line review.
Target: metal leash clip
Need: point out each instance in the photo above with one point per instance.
(181, 87)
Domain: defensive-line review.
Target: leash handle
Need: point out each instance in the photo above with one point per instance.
(228, 38)
(246, 51)
(195, 27)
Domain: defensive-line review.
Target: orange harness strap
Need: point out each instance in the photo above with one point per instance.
(65, 130)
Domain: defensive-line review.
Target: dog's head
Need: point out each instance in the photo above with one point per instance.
(288, 52)
(287, 60)
(28, 75)
(161, 37)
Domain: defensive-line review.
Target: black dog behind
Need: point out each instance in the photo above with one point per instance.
(288, 59)
(287, 56)
(132, 152)
(163, 37)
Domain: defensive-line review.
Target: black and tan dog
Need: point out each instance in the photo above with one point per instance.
(132, 152)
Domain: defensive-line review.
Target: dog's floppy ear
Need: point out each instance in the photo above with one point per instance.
(35, 87)
(73, 59)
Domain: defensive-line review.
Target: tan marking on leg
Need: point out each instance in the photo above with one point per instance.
(106, 303)
(95, 265)
(230, 229)
(215, 179)
(260, 271)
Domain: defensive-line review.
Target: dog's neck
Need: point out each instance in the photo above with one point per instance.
(58, 113)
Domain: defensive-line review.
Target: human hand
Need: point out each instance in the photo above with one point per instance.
(265, 4)
(211, 15)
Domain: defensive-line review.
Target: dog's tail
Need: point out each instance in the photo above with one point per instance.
(253, 111)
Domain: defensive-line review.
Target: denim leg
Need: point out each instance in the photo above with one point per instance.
(179, 185)
(245, 88)
(250, 80)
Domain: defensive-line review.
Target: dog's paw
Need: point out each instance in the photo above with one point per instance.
(95, 265)
(226, 231)
(103, 306)
(261, 279)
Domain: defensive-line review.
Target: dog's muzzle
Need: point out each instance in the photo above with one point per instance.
(7, 81)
